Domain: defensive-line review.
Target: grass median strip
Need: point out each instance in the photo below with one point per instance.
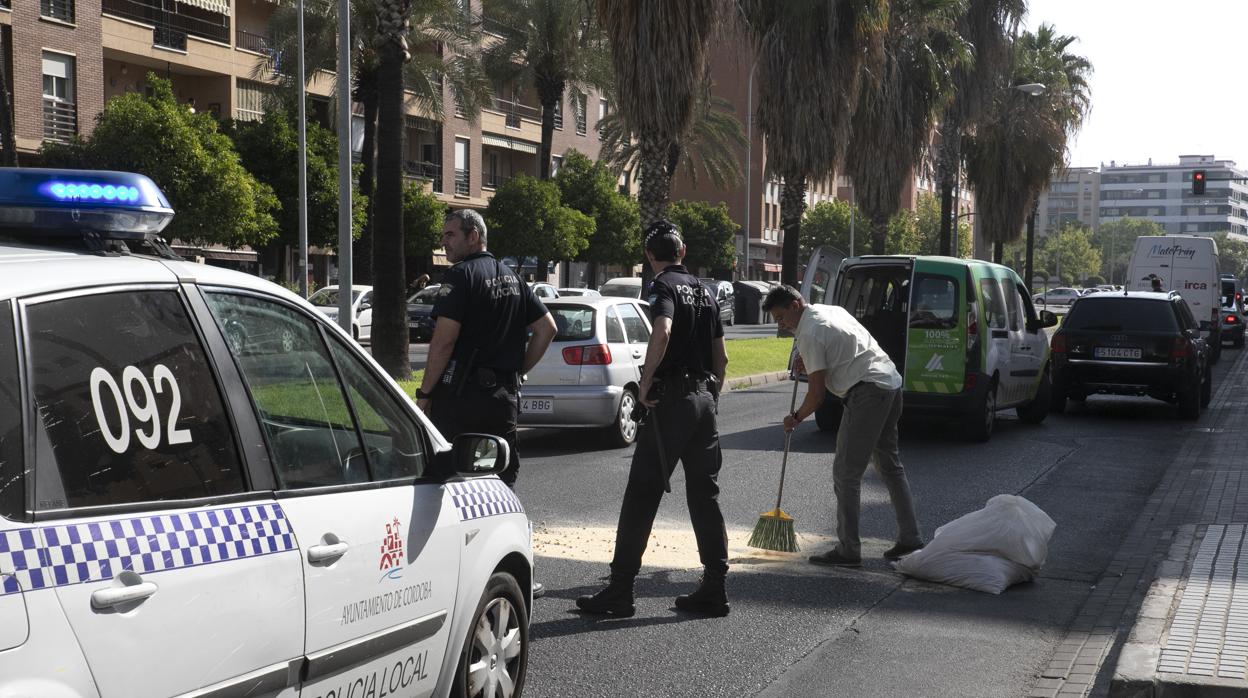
(746, 357)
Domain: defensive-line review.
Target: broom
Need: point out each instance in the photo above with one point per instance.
(774, 530)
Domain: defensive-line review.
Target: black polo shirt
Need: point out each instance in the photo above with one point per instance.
(679, 295)
(494, 309)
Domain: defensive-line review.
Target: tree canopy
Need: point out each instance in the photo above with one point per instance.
(589, 187)
(1070, 253)
(709, 234)
(423, 216)
(215, 198)
(1116, 241)
(527, 219)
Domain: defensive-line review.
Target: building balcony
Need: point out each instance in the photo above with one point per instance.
(430, 171)
(60, 120)
(256, 43)
(493, 180)
(171, 29)
(62, 10)
(514, 111)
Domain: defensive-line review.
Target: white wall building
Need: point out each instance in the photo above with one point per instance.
(1163, 193)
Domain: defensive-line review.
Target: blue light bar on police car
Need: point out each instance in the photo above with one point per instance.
(114, 204)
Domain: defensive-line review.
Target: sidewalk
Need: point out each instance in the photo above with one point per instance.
(1169, 616)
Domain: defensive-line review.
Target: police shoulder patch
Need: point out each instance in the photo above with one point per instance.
(654, 298)
(446, 289)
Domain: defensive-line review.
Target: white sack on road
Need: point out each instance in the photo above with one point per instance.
(1002, 544)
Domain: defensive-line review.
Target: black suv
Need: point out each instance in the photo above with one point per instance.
(1132, 344)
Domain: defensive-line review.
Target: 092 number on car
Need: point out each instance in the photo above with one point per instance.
(126, 398)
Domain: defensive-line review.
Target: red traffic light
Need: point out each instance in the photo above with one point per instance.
(1198, 182)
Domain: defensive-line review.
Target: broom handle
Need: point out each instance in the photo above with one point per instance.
(784, 463)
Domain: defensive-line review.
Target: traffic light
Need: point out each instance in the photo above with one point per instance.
(1198, 182)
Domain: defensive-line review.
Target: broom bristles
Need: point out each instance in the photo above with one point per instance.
(774, 531)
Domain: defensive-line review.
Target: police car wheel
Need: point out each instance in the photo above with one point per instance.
(495, 656)
(624, 431)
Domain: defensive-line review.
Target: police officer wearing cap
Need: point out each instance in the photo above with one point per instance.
(481, 342)
(685, 364)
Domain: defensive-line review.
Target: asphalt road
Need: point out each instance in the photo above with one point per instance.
(800, 630)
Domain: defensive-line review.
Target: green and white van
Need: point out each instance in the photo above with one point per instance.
(963, 333)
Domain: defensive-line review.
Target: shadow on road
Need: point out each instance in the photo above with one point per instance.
(537, 442)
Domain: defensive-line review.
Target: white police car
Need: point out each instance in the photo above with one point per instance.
(180, 515)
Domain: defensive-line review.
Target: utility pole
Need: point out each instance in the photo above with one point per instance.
(303, 163)
(344, 165)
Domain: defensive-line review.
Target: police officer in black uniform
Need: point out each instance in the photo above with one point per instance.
(685, 364)
(481, 342)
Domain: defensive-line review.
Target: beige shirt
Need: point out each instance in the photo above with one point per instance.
(830, 339)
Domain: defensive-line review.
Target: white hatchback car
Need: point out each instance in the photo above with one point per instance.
(181, 515)
(326, 300)
(589, 376)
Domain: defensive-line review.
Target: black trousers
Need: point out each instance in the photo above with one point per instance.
(687, 426)
(480, 410)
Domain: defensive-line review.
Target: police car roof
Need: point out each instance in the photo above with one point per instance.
(27, 269)
(592, 301)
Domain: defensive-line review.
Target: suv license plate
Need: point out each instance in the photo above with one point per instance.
(537, 405)
(1118, 353)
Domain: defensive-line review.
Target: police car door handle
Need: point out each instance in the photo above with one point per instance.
(636, 354)
(330, 551)
(117, 596)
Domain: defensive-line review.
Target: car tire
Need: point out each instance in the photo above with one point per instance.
(1206, 388)
(981, 420)
(501, 605)
(1035, 411)
(624, 430)
(828, 415)
(1216, 353)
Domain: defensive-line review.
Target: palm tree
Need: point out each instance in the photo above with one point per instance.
(988, 25)
(658, 55)
(8, 139)
(811, 57)
(892, 126)
(1012, 157)
(551, 45)
(708, 149)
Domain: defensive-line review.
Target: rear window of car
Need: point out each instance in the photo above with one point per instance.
(934, 303)
(573, 323)
(620, 290)
(1121, 315)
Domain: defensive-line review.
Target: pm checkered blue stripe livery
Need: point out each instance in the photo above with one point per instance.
(96, 551)
(477, 499)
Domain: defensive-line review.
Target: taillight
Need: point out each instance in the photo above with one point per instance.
(1232, 319)
(1182, 348)
(972, 322)
(1058, 345)
(592, 355)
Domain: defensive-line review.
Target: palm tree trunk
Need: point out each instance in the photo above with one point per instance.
(8, 140)
(879, 235)
(389, 332)
(998, 249)
(368, 159)
(655, 185)
(947, 175)
(792, 206)
(549, 96)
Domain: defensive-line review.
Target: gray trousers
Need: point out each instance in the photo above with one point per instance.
(869, 428)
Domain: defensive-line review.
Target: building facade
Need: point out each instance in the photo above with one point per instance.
(1073, 196)
(1163, 193)
(66, 58)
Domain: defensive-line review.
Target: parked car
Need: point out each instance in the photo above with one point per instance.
(326, 301)
(544, 291)
(211, 521)
(578, 292)
(1135, 343)
(1057, 296)
(963, 334)
(589, 376)
(1232, 316)
(726, 297)
(622, 287)
(419, 313)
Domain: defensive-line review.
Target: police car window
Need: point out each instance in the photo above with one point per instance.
(994, 303)
(634, 327)
(128, 410)
(393, 442)
(934, 303)
(310, 428)
(573, 323)
(615, 333)
(12, 490)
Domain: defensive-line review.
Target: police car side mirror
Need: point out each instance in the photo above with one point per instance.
(365, 306)
(480, 454)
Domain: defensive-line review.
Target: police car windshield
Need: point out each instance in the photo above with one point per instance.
(328, 297)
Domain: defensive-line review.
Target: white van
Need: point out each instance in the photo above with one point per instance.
(622, 287)
(1187, 264)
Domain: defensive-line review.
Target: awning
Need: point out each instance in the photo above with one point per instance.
(220, 6)
(510, 143)
(768, 266)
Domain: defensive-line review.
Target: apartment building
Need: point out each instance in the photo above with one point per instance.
(1073, 196)
(66, 58)
(1163, 193)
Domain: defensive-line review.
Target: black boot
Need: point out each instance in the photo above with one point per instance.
(615, 600)
(709, 599)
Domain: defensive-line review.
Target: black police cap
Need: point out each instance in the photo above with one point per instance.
(662, 239)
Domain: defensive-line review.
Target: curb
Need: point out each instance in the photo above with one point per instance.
(756, 380)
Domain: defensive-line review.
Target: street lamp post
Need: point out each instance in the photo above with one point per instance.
(749, 163)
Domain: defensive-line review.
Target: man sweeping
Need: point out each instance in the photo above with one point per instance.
(841, 356)
(686, 357)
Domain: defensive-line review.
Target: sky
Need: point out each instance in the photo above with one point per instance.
(1167, 77)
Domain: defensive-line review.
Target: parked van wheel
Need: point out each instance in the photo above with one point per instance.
(980, 422)
(1035, 411)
